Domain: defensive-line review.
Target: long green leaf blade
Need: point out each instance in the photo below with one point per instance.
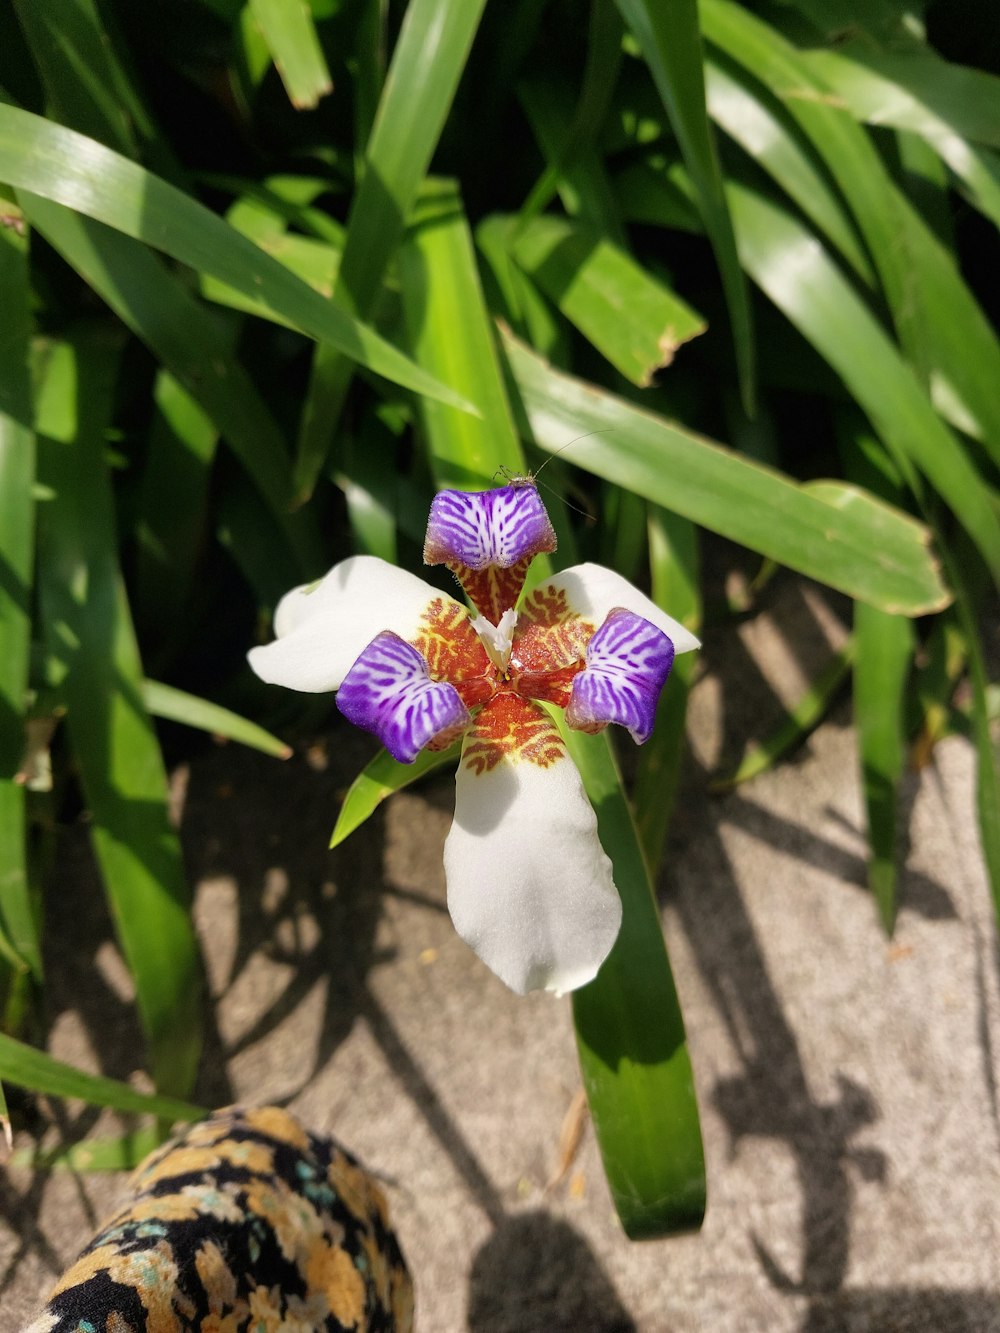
(290, 33)
(914, 90)
(172, 511)
(884, 658)
(90, 634)
(123, 1152)
(17, 550)
(674, 586)
(180, 332)
(806, 713)
(380, 778)
(27, 1067)
(943, 332)
(86, 86)
(885, 90)
(176, 705)
(670, 40)
(427, 62)
(797, 273)
(630, 1035)
(737, 106)
(80, 173)
(449, 329)
(885, 652)
(859, 545)
(631, 317)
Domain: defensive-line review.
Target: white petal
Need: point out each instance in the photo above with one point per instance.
(592, 591)
(324, 626)
(529, 885)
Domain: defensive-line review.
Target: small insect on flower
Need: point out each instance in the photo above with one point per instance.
(530, 888)
(522, 479)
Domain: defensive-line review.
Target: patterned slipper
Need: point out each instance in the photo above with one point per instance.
(246, 1223)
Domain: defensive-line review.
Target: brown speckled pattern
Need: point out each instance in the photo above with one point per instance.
(246, 1223)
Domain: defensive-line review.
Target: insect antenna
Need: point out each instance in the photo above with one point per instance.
(517, 479)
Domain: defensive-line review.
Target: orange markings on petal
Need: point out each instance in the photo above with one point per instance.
(550, 636)
(492, 590)
(553, 687)
(449, 645)
(509, 727)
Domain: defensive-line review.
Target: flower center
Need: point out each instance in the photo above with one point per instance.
(497, 640)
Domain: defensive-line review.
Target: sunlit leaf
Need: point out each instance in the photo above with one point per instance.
(70, 169)
(427, 62)
(849, 541)
(18, 930)
(636, 321)
(380, 777)
(27, 1067)
(123, 1152)
(89, 632)
(176, 705)
(804, 715)
(288, 29)
(670, 40)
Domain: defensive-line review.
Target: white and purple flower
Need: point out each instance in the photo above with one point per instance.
(529, 885)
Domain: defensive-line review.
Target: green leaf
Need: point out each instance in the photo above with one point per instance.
(18, 931)
(673, 570)
(943, 332)
(369, 487)
(191, 344)
(806, 713)
(569, 140)
(670, 40)
(512, 295)
(630, 1035)
(573, 165)
(750, 117)
(889, 90)
(428, 60)
(799, 276)
(441, 294)
(123, 1152)
(27, 1067)
(884, 657)
(81, 174)
(288, 29)
(172, 510)
(89, 631)
(178, 706)
(915, 90)
(86, 86)
(630, 317)
(885, 652)
(379, 778)
(858, 544)
(987, 751)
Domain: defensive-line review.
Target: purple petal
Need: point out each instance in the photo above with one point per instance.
(481, 528)
(628, 661)
(389, 692)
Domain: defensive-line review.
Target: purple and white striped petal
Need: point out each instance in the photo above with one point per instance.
(480, 528)
(628, 661)
(389, 692)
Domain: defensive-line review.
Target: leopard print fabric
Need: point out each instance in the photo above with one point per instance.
(247, 1223)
